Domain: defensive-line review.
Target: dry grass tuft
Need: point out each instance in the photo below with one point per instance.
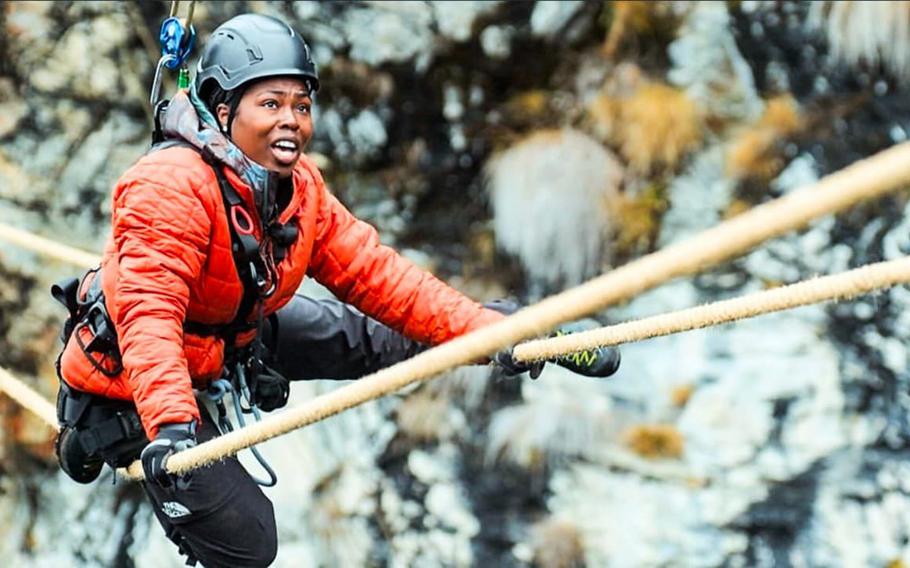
(633, 19)
(681, 394)
(555, 423)
(782, 115)
(529, 109)
(628, 16)
(756, 152)
(654, 127)
(549, 194)
(557, 543)
(638, 218)
(870, 33)
(655, 441)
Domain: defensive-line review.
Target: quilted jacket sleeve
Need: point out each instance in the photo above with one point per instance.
(349, 260)
(161, 233)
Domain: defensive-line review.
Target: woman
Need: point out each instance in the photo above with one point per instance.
(212, 234)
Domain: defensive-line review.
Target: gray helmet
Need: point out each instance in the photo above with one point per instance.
(253, 46)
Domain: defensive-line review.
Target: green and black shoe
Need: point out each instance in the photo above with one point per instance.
(599, 362)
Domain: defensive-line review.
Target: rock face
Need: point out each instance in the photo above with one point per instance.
(511, 147)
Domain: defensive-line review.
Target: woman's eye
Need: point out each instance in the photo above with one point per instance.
(270, 104)
(303, 109)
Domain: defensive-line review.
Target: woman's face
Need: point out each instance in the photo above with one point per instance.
(272, 124)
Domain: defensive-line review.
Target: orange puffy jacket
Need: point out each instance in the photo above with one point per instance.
(169, 260)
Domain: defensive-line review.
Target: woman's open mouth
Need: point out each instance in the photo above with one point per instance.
(286, 152)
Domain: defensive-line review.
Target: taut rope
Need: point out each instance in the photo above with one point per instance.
(836, 287)
(28, 398)
(47, 247)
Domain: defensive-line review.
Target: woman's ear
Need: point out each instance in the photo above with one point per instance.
(222, 112)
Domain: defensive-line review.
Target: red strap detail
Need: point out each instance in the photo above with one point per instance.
(239, 214)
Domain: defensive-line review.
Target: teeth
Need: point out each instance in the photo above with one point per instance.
(285, 145)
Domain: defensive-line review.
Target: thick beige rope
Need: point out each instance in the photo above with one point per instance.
(836, 287)
(28, 398)
(864, 179)
(47, 247)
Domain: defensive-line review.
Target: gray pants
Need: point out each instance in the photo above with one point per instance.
(328, 339)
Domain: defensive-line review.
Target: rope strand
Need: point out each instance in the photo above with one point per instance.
(47, 247)
(28, 398)
(836, 287)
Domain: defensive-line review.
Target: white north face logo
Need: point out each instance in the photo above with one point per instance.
(174, 510)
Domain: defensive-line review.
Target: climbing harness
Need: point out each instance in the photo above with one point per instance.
(84, 302)
(246, 376)
(177, 39)
(216, 393)
(93, 430)
(245, 371)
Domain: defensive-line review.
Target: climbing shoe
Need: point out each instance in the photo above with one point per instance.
(599, 362)
(81, 466)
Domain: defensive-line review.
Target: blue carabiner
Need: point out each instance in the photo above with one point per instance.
(176, 41)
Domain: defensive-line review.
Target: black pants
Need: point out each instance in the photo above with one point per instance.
(217, 514)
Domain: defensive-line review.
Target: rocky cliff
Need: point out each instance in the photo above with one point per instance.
(521, 148)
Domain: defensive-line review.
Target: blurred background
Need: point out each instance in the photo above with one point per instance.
(520, 148)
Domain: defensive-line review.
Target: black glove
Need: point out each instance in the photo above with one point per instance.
(511, 367)
(270, 390)
(504, 359)
(171, 438)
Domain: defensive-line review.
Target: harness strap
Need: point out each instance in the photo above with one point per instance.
(254, 263)
(245, 249)
(124, 425)
(215, 393)
(247, 260)
(71, 405)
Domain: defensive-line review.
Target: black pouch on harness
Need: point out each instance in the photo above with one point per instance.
(95, 430)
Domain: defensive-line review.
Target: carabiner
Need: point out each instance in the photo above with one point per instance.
(156, 82)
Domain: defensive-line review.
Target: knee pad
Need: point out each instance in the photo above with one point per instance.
(75, 461)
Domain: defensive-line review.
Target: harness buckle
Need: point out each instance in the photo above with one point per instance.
(104, 339)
